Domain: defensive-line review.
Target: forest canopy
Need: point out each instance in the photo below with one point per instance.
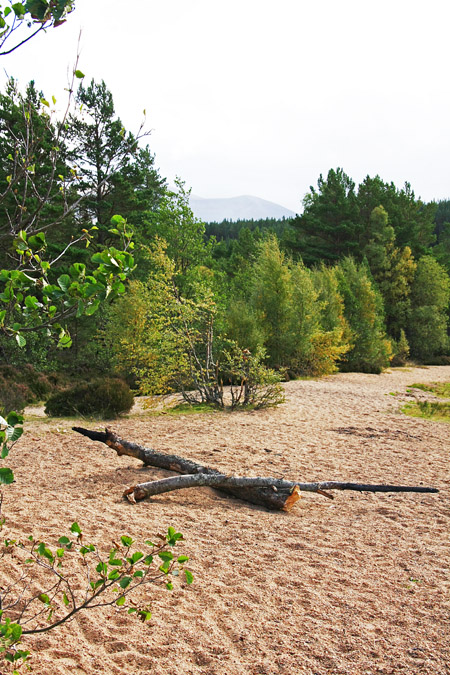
(88, 226)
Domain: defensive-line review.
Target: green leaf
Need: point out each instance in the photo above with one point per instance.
(79, 74)
(13, 433)
(114, 574)
(64, 282)
(20, 340)
(118, 220)
(13, 418)
(18, 9)
(126, 541)
(102, 568)
(137, 555)
(173, 536)
(31, 302)
(63, 541)
(139, 574)
(91, 309)
(182, 558)
(169, 586)
(75, 528)
(44, 551)
(16, 631)
(120, 601)
(125, 582)
(65, 600)
(167, 556)
(189, 577)
(5, 450)
(87, 549)
(45, 102)
(43, 597)
(6, 476)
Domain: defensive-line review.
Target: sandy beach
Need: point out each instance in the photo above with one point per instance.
(357, 585)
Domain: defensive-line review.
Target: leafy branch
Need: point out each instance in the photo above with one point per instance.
(56, 584)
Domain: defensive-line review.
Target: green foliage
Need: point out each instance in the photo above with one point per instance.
(114, 173)
(143, 329)
(10, 431)
(431, 410)
(400, 350)
(243, 325)
(411, 219)
(428, 324)
(330, 226)
(105, 398)
(75, 576)
(299, 331)
(252, 384)
(175, 223)
(364, 313)
(30, 17)
(441, 389)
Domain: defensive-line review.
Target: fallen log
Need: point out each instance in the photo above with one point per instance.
(272, 493)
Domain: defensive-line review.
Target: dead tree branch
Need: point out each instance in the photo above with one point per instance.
(273, 493)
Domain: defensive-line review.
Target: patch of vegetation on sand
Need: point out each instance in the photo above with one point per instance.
(181, 409)
(430, 410)
(441, 389)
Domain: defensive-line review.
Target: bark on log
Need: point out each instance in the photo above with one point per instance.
(272, 493)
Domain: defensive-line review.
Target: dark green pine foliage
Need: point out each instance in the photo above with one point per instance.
(329, 227)
(30, 195)
(442, 231)
(119, 176)
(412, 219)
(229, 229)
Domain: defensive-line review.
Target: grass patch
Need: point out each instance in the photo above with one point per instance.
(430, 410)
(188, 409)
(441, 389)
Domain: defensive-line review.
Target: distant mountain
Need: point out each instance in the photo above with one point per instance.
(236, 208)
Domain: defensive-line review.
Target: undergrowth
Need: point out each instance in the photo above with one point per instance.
(441, 389)
(430, 410)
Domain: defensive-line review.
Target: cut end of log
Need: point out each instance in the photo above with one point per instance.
(129, 494)
(134, 494)
(292, 499)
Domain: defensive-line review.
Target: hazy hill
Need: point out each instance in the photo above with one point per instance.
(236, 208)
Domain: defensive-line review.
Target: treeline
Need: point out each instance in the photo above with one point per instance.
(357, 282)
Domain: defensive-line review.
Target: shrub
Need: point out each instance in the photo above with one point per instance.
(13, 396)
(401, 350)
(252, 383)
(104, 398)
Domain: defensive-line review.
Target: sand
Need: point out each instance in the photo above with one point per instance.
(357, 585)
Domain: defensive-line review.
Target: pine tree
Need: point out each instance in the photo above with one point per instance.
(329, 227)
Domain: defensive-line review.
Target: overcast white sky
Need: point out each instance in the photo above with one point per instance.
(257, 97)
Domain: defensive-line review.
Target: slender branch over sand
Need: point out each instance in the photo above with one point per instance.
(273, 493)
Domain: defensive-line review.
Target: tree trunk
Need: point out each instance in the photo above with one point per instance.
(272, 493)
